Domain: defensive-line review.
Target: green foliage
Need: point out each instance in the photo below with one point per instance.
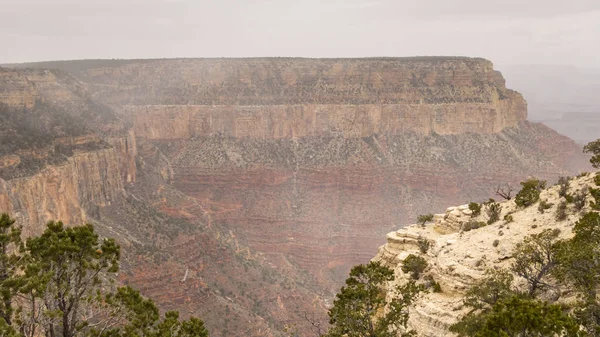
(587, 314)
(496, 284)
(357, 309)
(517, 316)
(578, 262)
(569, 199)
(579, 199)
(534, 259)
(430, 283)
(563, 190)
(543, 261)
(471, 225)
(64, 281)
(579, 266)
(414, 265)
(68, 263)
(423, 219)
(594, 149)
(424, 245)
(530, 192)
(597, 179)
(499, 310)
(475, 209)
(508, 218)
(561, 211)
(493, 210)
(595, 193)
(10, 240)
(544, 205)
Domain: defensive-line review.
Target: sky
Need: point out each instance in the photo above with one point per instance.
(557, 32)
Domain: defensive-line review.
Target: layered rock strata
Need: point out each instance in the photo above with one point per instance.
(293, 168)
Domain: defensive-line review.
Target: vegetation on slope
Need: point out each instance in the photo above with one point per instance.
(550, 288)
(60, 284)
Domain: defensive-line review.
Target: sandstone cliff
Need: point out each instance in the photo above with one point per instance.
(285, 98)
(458, 258)
(56, 160)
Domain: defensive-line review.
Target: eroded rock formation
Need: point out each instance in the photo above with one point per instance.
(290, 168)
(458, 258)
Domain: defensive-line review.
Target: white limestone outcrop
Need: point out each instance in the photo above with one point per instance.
(458, 258)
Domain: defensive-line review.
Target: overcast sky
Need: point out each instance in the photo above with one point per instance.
(505, 31)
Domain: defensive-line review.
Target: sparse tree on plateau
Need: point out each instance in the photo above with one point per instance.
(504, 191)
(10, 239)
(423, 219)
(498, 310)
(535, 258)
(594, 149)
(358, 310)
(530, 192)
(71, 262)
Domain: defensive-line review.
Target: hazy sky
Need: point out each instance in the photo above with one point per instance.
(505, 31)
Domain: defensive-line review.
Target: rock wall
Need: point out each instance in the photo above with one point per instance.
(283, 98)
(310, 120)
(62, 155)
(16, 91)
(65, 192)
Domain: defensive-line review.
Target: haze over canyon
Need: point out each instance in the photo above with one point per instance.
(243, 190)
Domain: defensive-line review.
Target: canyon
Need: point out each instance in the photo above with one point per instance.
(243, 190)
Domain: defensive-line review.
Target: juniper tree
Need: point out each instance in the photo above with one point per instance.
(358, 308)
(594, 149)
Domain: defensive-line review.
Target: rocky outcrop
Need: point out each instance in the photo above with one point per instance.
(67, 192)
(458, 258)
(61, 154)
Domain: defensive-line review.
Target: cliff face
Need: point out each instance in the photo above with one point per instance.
(323, 120)
(286, 98)
(457, 259)
(67, 191)
(54, 164)
(289, 168)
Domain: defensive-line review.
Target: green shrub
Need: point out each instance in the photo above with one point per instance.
(436, 287)
(423, 219)
(470, 225)
(579, 199)
(597, 179)
(544, 205)
(493, 210)
(530, 192)
(594, 149)
(475, 209)
(563, 182)
(595, 193)
(508, 218)
(414, 265)
(424, 245)
(561, 211)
